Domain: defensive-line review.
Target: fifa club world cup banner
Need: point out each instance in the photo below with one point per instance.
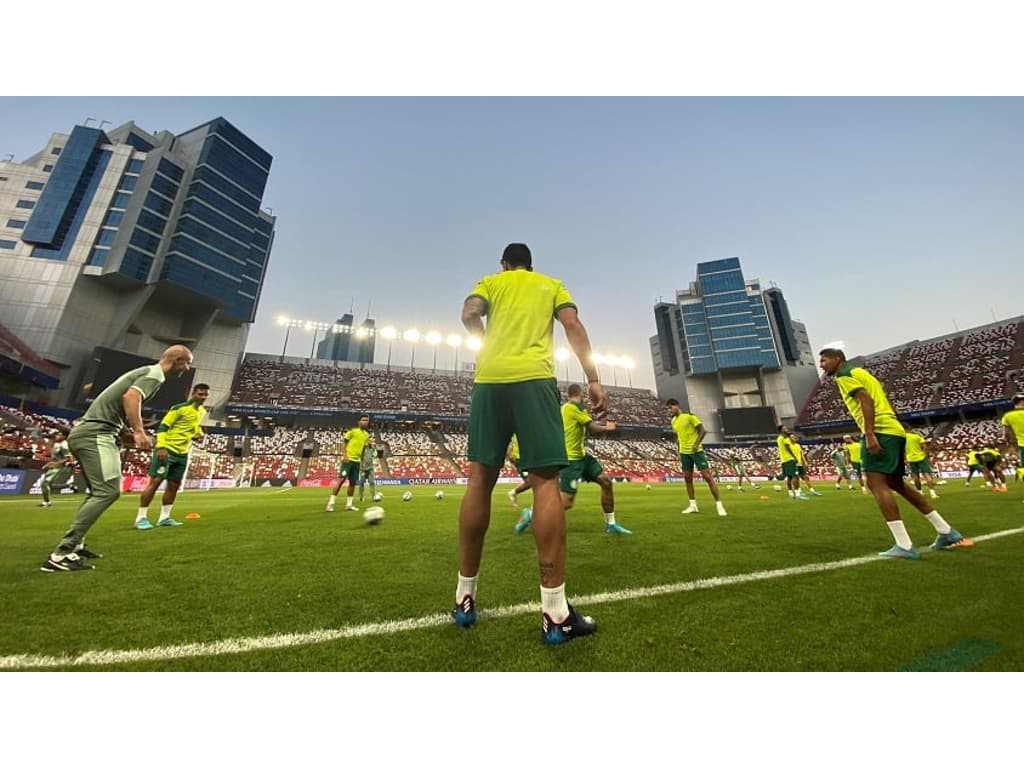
(11, 480)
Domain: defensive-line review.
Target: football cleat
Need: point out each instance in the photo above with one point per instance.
(952, 539)
(464, 612)
(616, 528)
(169, 522)
(69, 562)
(143, 524)
(574, 626)
(525, 520)
(81, 551)
(897, 551)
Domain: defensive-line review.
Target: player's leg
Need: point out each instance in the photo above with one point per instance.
(687, 463)
(607, 487)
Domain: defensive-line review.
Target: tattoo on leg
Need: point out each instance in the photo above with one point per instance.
(546, 569)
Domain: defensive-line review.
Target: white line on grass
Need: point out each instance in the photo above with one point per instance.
(169, 653)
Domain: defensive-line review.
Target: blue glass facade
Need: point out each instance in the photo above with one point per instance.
(220, 243)
(726, 328)
(53, 214)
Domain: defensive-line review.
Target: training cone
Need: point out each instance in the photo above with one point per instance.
(192, 516)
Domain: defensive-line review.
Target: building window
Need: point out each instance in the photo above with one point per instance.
(129, 182)
(98, 257)
(29, 204)
(56, 150)
(34, 185)
(121, 200)
(8, 245)
(47, 168)
(135, 166)
(16, 223)
(113, 219)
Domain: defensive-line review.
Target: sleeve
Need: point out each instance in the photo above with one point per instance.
(562, 298)
(147, 385)
(199, 425)
(481, 292)
(582, 416)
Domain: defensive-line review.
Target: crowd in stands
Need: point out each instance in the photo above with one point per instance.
(955, 371)
(314, 387)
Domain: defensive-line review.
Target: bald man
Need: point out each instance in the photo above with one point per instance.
(95, 441)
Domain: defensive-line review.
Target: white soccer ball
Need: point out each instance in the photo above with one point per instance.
(373, 515)
(728, 487)
(378, 496)
(407, 496)
(647, 487)
(776, 487)
(439, 495)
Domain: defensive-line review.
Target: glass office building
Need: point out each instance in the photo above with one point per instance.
(133, 241)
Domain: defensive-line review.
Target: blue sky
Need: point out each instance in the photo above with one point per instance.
(882, 219)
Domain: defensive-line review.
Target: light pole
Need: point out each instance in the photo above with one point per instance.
(562, 355)
(433, 339)
(455, 341)
(629, 365)
(389, 333)
(412, 336)
(613, 363)
(287, 323)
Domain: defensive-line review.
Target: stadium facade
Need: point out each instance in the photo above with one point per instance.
(730, 353)
(133, 241)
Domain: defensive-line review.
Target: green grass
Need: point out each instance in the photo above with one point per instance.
(265, 562)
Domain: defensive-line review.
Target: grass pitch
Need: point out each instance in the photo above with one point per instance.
(266, 580)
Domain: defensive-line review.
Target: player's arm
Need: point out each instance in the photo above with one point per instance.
(473, 311)
(132, 402)
(699, 444)
(576, 335)
(867, 407)
(168, 421)
(598, 429)
(1009, 437)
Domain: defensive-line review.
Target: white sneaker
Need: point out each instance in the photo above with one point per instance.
(722, 512)
(350, 508)
(329, 508)
(689, 511)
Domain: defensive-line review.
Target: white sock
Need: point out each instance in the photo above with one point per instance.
(940, 525)
(933, 493)
(554, 604)
(165, 512)
(609, 518)
(720, 506)
(142, 514)
(349, 502)
(693, 504)
(899, 532)
(330, 501)
(466, 586)
(792, 494)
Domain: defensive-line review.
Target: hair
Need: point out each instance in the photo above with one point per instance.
(363, 416)
(671, 401)
(574, 390)
(832, 352)
(201, 386)
(518, 255)
(782, 427)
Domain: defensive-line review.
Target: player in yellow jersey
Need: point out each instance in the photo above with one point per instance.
(352, 446)
(690, 434)
(917, 461)
(179, 427)
(577, 423)
(883, 447)
(1013, 431)
(852, 448)
(514, 393)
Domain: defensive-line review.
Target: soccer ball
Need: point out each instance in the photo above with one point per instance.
(378, 496)
(373, 515)
(776, 487)
(439, 495)
(407, 496)
(647, 487)
(728, 487)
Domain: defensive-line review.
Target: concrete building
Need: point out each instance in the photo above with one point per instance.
(134, 241)
(730, 353)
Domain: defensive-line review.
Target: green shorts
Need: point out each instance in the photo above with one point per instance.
(856, 466)
(690, 460)
(842, 470)
(522, 472)
(789, 469)
(349, 470)
(801, 470)
(171, 469)
(974, 468)
(920, 467)
(891, 461)
(585, 470)
(528, 409)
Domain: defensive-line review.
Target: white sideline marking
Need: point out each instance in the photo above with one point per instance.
(247, 644)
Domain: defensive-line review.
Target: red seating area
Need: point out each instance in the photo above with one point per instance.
(972, 367)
